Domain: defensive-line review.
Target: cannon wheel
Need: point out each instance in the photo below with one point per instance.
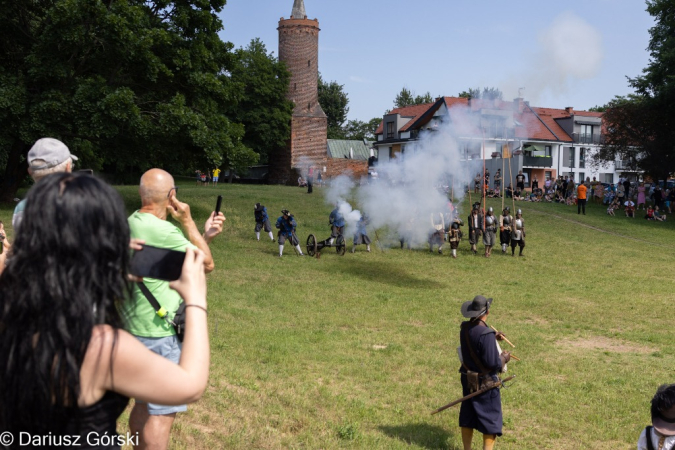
(311, 245)
(340, 245)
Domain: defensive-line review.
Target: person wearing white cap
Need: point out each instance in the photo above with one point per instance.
(660, 435)
(47, 156)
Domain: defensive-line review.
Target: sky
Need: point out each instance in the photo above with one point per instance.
(575, 53)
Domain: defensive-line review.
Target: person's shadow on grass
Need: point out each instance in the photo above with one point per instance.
(421, 434)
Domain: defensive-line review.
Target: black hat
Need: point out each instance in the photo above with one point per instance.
(663, 410)
(476, 307)
(285, 212)
(476, 206)
(258, 207)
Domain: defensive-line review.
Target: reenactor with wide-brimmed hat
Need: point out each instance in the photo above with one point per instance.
(482, 361)
(262, 221)
(286, 225)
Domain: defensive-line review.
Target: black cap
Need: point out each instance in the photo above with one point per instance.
(285, 212)
(476, 307)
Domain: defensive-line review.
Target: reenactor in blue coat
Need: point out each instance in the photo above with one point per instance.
(481, 364)
(262, 221)
(286, 225)
(337, 222)
(361, 236)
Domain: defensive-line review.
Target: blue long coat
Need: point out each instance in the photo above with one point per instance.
(483, 412)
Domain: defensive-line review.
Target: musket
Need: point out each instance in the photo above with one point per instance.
(478, 392)
(504, 337)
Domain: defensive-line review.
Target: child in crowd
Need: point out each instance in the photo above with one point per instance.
(658, 216)
(571, 200)
(612, 207)
(630, 209)
(650, 213)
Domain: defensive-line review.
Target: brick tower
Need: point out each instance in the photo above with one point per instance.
(299, 49)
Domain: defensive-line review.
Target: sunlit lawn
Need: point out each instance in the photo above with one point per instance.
(355, 351)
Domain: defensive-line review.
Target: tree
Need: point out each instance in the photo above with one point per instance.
(408, 98)
(358, 130)
(127, 85)
(263, 109)
(598, 108)
(491, 93)
(334, 101)
(641, 126)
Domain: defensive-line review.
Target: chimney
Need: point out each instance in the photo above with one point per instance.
(569, 110)
(518, 104)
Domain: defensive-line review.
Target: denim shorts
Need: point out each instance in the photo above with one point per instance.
(170, 348)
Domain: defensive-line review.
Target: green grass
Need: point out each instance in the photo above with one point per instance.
(355, 351)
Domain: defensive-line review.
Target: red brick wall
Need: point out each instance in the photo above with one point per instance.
(335, 167)
(299, 49)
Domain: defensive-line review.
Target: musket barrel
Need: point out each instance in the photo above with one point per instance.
(478, 392)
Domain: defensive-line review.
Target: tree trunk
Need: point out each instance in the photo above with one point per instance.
(15, 171)
(231, 176)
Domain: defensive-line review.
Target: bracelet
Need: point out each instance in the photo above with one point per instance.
(197, 306)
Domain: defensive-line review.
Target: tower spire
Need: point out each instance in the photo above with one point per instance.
(298, 10)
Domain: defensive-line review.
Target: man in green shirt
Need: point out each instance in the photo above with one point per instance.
(158, 197)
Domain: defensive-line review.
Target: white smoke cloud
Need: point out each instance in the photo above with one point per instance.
(413, 186)
(569, 49)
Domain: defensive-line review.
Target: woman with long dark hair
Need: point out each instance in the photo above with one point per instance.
(66, 367)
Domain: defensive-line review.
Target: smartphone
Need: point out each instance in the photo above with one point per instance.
(158, 263)
(219, 202)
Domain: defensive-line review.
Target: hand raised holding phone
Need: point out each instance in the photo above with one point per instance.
(214, 224)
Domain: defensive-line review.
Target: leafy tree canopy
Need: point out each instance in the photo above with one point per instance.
(263, 110)
(641, 127)
(358, 130)
(488, 93)
(127, 85)
(333, 100)
(408, 98)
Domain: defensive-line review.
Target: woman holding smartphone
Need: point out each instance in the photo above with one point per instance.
(67, 369)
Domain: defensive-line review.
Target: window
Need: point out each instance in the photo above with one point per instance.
(547, 150)
(607, 178)
(390, 130)
(586, 134)
(582, 158)
(582, 177)
(568, 156)
(548, 174)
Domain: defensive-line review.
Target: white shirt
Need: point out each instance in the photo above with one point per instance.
(669, 443)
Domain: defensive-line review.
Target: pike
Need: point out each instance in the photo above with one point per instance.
(478, 392)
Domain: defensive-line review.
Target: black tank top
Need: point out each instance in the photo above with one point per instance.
(98, 420)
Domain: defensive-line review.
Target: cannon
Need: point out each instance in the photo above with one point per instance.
(314, 246)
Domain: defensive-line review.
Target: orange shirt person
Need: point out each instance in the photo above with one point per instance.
(581, 198)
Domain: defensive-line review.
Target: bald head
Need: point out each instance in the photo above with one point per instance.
(155, 187)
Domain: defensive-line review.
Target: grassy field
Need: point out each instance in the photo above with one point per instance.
(355, 351)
